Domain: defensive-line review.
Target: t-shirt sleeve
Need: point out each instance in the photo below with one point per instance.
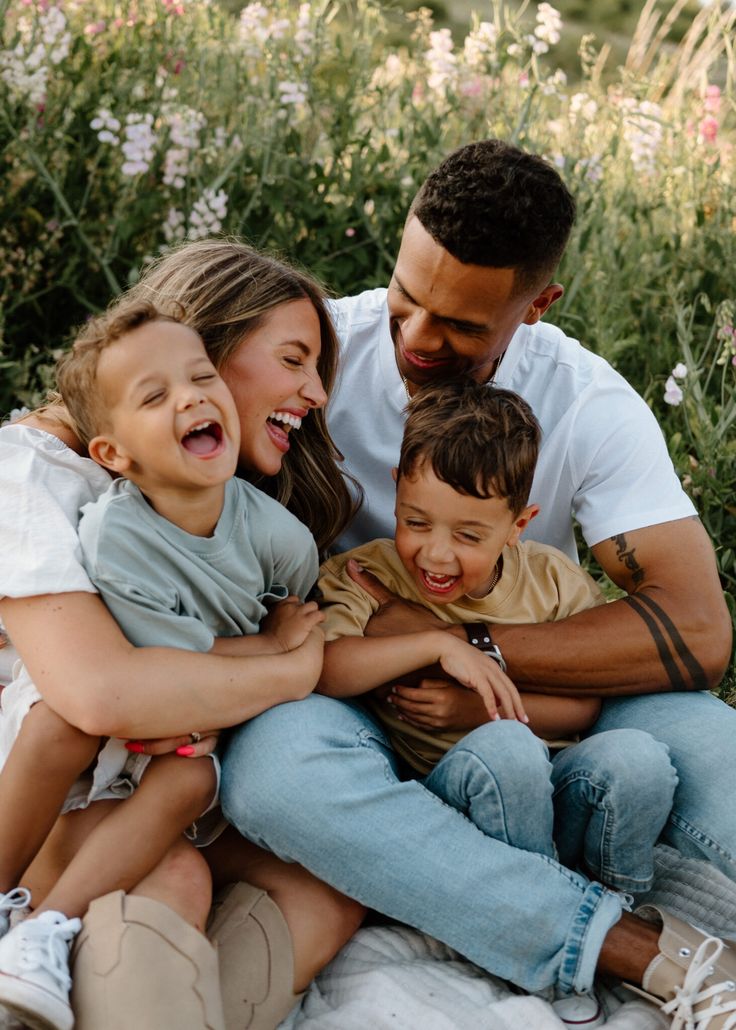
(347, 608)
(556, 586)
(144, 602)
(627, 479)
(41, 495)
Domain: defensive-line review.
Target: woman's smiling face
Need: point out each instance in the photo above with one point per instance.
(274, 379)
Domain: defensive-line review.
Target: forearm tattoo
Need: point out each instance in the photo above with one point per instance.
(667, 639)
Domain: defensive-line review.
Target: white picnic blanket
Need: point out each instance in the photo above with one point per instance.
(395, 978)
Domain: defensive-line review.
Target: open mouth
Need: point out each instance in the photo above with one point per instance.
(279, 424)
(205, 440)
(436, 583)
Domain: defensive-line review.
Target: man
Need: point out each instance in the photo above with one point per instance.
(472, 281)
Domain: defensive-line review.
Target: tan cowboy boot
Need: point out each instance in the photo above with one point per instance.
(693, 978)
(136, 963)
(256, 958)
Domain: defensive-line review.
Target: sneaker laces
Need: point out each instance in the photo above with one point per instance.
(691, 993)
(44, 945)
(15, 900)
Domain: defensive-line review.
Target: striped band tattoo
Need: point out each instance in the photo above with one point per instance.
(667, 639)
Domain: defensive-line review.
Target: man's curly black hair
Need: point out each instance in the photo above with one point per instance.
(492, 204)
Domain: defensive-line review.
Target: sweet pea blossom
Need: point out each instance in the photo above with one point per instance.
(106, 125)
(479, 43)
(139, 144)
(548, 25)
(672, 393)
(680, 370)
(441, 61)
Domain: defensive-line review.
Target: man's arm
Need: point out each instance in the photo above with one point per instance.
(672, 631)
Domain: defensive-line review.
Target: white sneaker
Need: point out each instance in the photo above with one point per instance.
(34, 971)
(16, 899)
(583, 1011)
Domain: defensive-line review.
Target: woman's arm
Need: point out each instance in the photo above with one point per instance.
(88, 672)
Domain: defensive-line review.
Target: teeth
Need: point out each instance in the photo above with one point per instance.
(283, 416)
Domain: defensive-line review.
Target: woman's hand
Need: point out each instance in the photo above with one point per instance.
(193, 745)
(438, 705)
(289, 622)
(478, 672)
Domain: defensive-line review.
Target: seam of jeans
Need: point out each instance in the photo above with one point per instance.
(699, 836)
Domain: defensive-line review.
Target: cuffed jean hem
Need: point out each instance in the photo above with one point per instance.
(599, 910)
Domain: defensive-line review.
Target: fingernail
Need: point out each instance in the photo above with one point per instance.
(185, 751)
(496, 717)
(133, 745)
(526, 718)
(355, 565)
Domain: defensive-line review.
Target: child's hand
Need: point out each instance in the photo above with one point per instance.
(478, 672)
(289, 622)
(438, 705)
(310, 655)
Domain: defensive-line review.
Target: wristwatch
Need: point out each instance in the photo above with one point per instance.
(479, 635)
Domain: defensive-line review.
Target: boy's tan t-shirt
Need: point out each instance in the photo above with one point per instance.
(538, 584)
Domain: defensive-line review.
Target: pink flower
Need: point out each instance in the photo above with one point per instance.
(94, 28)
(712, 101)
(708, 129)
(350, 231)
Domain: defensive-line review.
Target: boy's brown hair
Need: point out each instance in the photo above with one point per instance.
(76, 371)
(479, 439)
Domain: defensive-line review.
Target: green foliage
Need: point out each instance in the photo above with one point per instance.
(125, 127)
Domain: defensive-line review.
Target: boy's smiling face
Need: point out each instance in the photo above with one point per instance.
(450, 542)
(172, 420)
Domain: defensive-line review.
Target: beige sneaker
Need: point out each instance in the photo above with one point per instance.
(136, 963)
(693, 978)
(256, 958)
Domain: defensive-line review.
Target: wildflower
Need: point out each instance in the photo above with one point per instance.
(440, 61)
(207, 214)
(173, 227)
(94, 28)
(672, 393)
(642, 129)
(680, 370)
(292, 92)
(708, 129)
(479, 43)
(712, 101)
(139, 144)
(350, 231)
(548, 25)
(106, 126)
(304, 37)
(582, 107)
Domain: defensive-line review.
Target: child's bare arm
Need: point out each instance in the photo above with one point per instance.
(354, 665)
(285, 627)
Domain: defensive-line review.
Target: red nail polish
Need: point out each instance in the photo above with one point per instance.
(133, 745)
(185, 751)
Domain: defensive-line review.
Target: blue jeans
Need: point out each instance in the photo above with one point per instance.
(316, 782)
(612, 796)
(700, 732)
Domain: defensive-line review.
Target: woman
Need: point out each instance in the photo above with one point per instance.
(266, 329)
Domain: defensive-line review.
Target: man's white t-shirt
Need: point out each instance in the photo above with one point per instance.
(603, 457)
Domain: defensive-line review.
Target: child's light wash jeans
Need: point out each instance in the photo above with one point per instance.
(316, 782)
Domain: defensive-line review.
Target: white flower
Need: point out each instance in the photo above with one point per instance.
(479, 42)
(106, 126)
(207, 214)
(680, 370)
(174, 226)
(582, 106)
(643, 132)
(139, 144)
(672, 393)
(14, 415)
(292, 92)
(548, 24)
(441, 61)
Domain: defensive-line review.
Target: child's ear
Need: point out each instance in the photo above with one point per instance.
(395, 474)
(105, 451)
(521, 522)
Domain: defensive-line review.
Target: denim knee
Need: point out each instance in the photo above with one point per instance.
(279, 763)
(631, 762)
(507, 745)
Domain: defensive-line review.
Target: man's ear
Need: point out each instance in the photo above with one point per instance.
(522, 521)
(542, 302)
(105, 451)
